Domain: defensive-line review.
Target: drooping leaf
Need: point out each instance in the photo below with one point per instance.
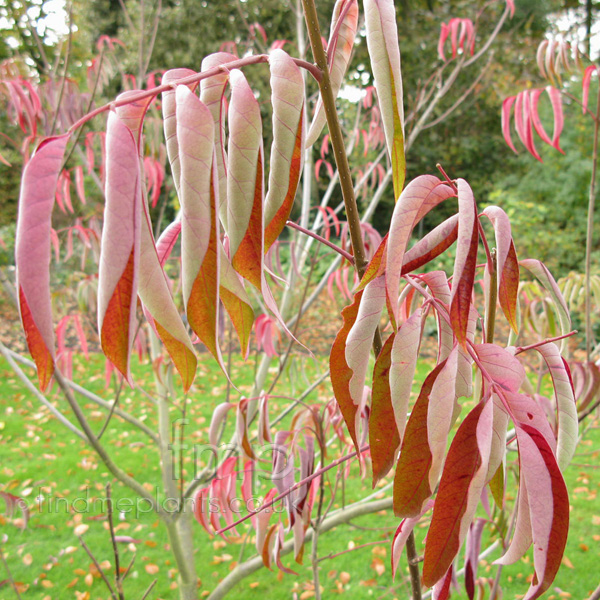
(403, 359)
(437, 282)
(383, 432)
(472, 547)
(262, 529)
(464, 265)
(212, 91)
(463, 479)
(507, 265)
(585, 84)
(166, 242)
(32, 252)
(199, 222)
(341, 374)
(568, 425)
(506, 106)
(339, 50)
(153, 287)
(526, 410)
(384, 52)
(404, 530)
(287, 150)
(360, 339)
(495, 473)
(424, 444)
(548, 505)
(236, 301)
(245, 181)
(170, 122)
(419, 197)
(540, 271)
(501, 366)
(216, 422)
(120, 247)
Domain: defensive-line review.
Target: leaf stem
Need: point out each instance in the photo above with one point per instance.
(546, 341)
(321, 239)
(234, 64)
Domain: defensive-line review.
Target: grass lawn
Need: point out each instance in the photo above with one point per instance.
(56, 473)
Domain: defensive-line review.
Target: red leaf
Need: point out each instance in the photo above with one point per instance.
(425, 440)
(549, 511)
(462, 481)
(506, 106)
(383, 433)
(287, 150)
(464, 265)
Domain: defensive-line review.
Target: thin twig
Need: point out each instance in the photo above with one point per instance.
(98, 568)
(111, 526)
(64, 77)
(129, 567)
(10, 577)
(91, 396)
(8, 355)
(590, 235)
(114, 404)
(149, 589)
(121, 475)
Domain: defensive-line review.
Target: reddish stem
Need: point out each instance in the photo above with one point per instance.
(298, 485)
(448, 180)
(234, 64)
(547, 341)
(317, 237)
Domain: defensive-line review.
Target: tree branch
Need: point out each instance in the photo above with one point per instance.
(254, 564)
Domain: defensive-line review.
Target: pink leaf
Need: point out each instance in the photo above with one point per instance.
(541, 272)
(170, 123)
(501, 366)
(404, 530)
(32, 252)
(212, 95)
(506, 106)
(585, 84)
(418, 198)
(287, 150)
(404, 357)
(120, 247)
(360, 340)
(464, 264)
(153, 287)
(166, 242)
(548, 505)
(568, 426)
(556, 100)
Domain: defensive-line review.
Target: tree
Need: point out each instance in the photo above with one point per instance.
(223, 191)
